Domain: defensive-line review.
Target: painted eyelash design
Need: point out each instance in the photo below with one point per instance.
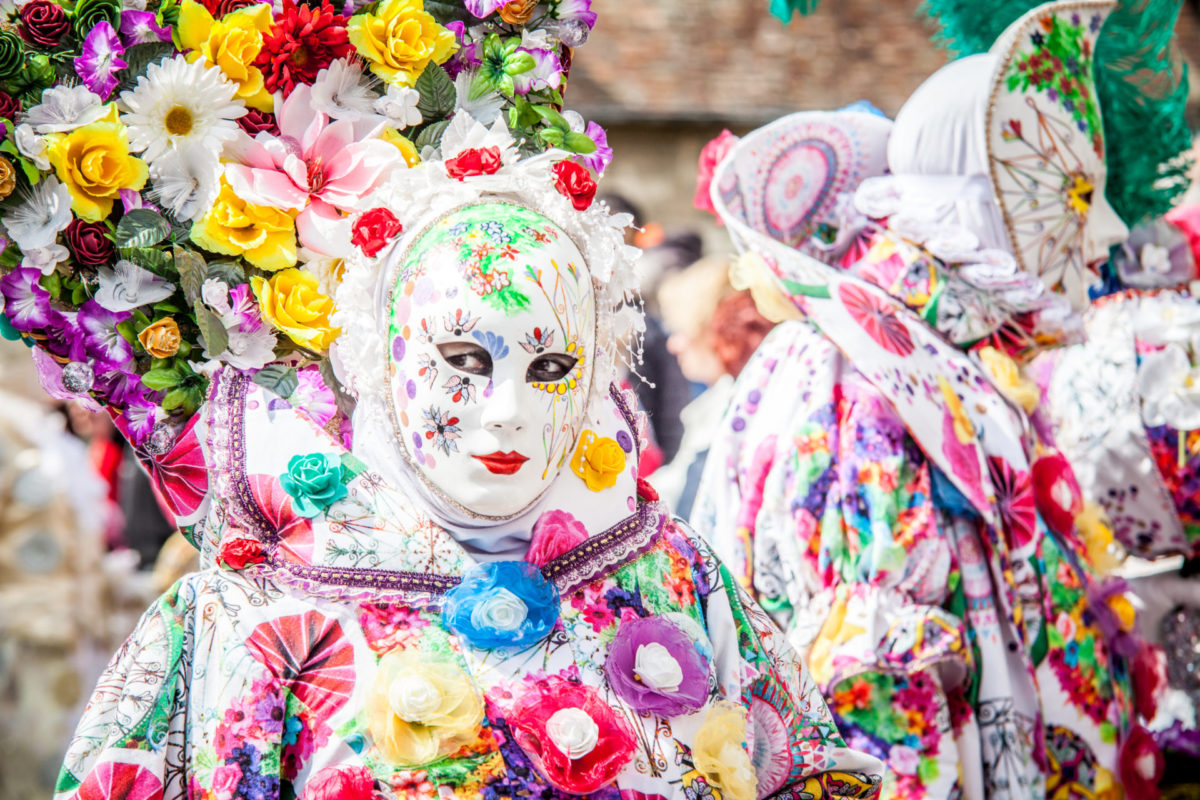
(460, 322)
(427, 370)
(460, 389)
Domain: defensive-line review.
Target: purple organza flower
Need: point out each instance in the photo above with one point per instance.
(26, 303)
(104, 344)
(49, 373)
(132, 199)
(653, 666)
(598, 160)
(313, 396)
(481, 8)
(141, 27)
(138, 420)
(65, 338)
(1179, 739)
(1123, 643)
(121, 388)
(244, 306)
(576, 9)
(101, 59)
(546, 72)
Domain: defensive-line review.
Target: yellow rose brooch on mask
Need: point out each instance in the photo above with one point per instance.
(598, 460)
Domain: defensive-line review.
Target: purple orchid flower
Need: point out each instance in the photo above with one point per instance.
(138, 420)
(49, 374)
(1123, 643)
(141, 27)
(132, 199)
(66, 339)
(26, 303)
(481, 8)
(244, 307)
(577, 9)
(653, 666)
(546, 72)
(101, 59)
(121, 388)
(598, 160)
(104, 344)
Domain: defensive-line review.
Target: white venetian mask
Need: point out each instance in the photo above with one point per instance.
(491, 330)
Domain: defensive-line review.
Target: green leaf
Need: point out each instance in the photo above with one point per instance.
(167, 307)
(552, 118)
(522, 114)
(175, 399)
(216, 338)
(437, 93)
(139, 57)
(551, 136)
(126, 330)
(152, 258)
(579, 143)
(32, 173)
(278, 378)
(161, 379)
(79, 295)
(192, 272)
(8, 145)
(141, 227)
(449, 11)
(432, 135)
(52, 283)
(230, 272)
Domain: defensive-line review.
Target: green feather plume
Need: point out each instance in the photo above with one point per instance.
(783, 9)
(1140, 78)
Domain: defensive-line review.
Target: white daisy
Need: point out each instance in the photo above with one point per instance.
(177, 103)
(340, 91)
(185, 181)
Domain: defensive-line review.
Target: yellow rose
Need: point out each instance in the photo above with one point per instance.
(230, 44)
(1008, 379)
(1097, 536)
(265, 236)
(8, 178)
(400, 39)
(420, 710)
(1126, 615)
(598, 460)
(408, 151)
(719, 755)
(293, 303)
(964, 429)
(749, 271)
(161, 339)
(94, 163)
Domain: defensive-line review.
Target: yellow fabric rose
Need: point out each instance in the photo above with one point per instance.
(749, 271)
(230, 44)
(1009, 380)
(718, 753)
(161, 339)
(598, 460)
(400, 39)
(420, 710)
(1124, 610)
(1097, 536)
(94, 163)
(293, 303)
(964, 429)
(408, 151)
(265, 236)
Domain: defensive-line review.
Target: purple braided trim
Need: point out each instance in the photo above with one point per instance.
(607, 551)
(630, 419)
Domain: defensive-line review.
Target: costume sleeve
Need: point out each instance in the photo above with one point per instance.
(797, 750)
(131, 734)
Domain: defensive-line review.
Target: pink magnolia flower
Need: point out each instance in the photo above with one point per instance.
(313, 166)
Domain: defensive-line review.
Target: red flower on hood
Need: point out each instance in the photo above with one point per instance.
(238, 553)
(1141, 765)
(374, 229)
(575, 182)
(474, 161)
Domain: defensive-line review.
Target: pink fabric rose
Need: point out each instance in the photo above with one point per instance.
(340, 783)
(554, 533)
(712, 155)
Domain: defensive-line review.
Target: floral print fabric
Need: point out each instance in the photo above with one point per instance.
(313, 661)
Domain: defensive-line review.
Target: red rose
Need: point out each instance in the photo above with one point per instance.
(254, 121)
(340, 783)
(645, 491)
(43, 23)
(474, 161)
(1141, 765)
(89, 243)
(219, 8)
(237, 553)
(9, 106)
(574, 181)
(374, 229)
(1149, 679)
(1056, 493)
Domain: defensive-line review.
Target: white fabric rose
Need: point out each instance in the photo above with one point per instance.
(1169, 320)
(1170, 388)
(399, 106)
(657, 668)
(503, 611)
(414, 698)
(573, 732)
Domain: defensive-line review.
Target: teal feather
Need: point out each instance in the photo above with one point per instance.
(1140, 79)
(783, 9)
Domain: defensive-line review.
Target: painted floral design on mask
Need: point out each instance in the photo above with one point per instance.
(500, 421)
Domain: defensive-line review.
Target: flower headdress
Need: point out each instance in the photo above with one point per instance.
(185, 186)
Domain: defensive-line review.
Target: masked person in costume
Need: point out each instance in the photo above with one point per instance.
(447, 579)
(909, 525)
